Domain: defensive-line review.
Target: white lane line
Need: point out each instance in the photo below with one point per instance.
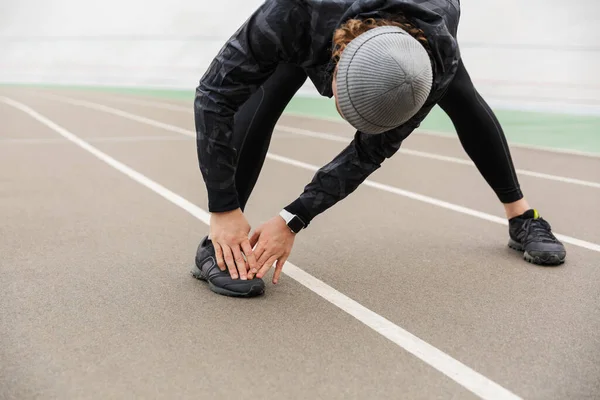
(107, 139)
(415, 153)
(163, 105)
(31, 141)
(401, 192)
(436, 202)
(173, 107)
(444, 135)
(439, 157)
(454, 369)
(117, 139)
(387, 188)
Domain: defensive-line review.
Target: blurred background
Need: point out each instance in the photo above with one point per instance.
(102, 207)
(539, 56)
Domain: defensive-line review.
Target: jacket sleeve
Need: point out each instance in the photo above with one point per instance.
(272, 34)
(351, 167)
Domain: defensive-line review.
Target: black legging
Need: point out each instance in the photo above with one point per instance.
(481, 136)
(478, 130)
(254, 124)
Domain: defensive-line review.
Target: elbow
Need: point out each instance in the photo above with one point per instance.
(375, 149)
(368, 152)
(214, 101)
(201, 97)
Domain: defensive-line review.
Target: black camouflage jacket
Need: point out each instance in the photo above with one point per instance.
(301, 32)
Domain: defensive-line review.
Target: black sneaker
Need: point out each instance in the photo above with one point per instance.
(220, 281)
(532, 235)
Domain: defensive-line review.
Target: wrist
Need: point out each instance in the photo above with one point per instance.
(227, 212)
(225, 217)
(298, 208)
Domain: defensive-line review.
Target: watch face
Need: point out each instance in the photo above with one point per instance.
(296, 224)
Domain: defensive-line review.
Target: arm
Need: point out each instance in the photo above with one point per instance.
(364, 155)
(331, 184)
(273, 34)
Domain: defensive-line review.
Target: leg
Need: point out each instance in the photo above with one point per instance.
(482, 138)
(254, 124)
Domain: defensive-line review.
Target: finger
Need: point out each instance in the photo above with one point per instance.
(247, 248)
(263, 271)
(239, 261)
(264, 257)
(258, 252)
(254, 238)
(228, 256)
(278, 268)
(219, 256)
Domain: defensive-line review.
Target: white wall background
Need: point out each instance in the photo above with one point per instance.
(542, 54)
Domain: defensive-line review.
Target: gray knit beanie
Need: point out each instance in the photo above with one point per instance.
(384, 77)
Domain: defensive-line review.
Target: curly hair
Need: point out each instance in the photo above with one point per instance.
(355, 27)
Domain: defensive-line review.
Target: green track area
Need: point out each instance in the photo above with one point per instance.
(547, 130)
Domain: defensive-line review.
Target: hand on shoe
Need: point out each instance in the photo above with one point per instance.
(273, 241)
(229, 233)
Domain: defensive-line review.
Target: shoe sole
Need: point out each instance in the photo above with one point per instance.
(550, 260)
(255, 290)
